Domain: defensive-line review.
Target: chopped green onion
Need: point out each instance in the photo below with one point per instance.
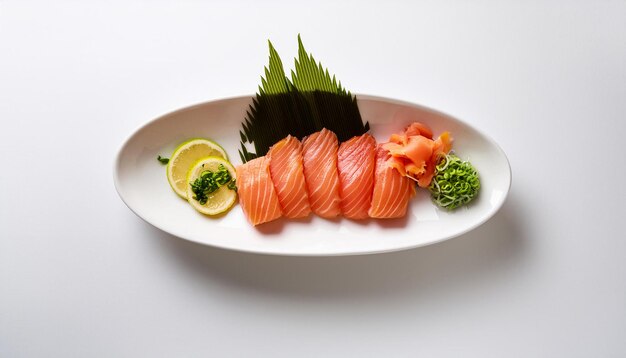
(455, 183)
(233, 185)
(208, 182)
(163, 160)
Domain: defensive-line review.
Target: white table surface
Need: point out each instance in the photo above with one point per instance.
(82, 276)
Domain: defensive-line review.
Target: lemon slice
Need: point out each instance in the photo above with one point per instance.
(218, 201)
(185, 156)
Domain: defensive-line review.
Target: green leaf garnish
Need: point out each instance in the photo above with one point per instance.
(163, 160)
(311, 76)
(455, 182)
(275, 80)
(313, 101)
(208, 182)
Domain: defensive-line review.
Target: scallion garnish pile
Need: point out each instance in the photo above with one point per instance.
(455, 182)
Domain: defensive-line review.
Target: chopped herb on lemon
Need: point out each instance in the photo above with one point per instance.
(208, 182)
(185, 156)
(211, 189)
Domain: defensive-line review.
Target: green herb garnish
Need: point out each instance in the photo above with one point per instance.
(208, 182)
(311, 101)
(455, 182)
(233, 185)
(163, 160)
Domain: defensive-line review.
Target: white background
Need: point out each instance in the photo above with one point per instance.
(82, 276)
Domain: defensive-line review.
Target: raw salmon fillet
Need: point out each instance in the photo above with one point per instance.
(319, 157)
(287, 174)
(392, 191)
(355, 164)
(256, 192)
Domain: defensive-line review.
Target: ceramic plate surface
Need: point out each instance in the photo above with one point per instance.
(142, 184)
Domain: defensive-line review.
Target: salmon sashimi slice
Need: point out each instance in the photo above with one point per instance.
(256, 192)
(319, 157)
(355, 164)
(287, 174)
(392, 191)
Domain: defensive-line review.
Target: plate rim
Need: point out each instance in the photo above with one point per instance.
(490, 214)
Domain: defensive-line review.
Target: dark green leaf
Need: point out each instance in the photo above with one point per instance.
(311, 76)
(313, 101)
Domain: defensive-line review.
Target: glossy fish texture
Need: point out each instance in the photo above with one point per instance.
(319, 153)
(287, 174)
(256, 192)
(355, 164)
(392, 191)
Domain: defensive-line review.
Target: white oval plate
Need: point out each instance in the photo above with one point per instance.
(142, 184)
